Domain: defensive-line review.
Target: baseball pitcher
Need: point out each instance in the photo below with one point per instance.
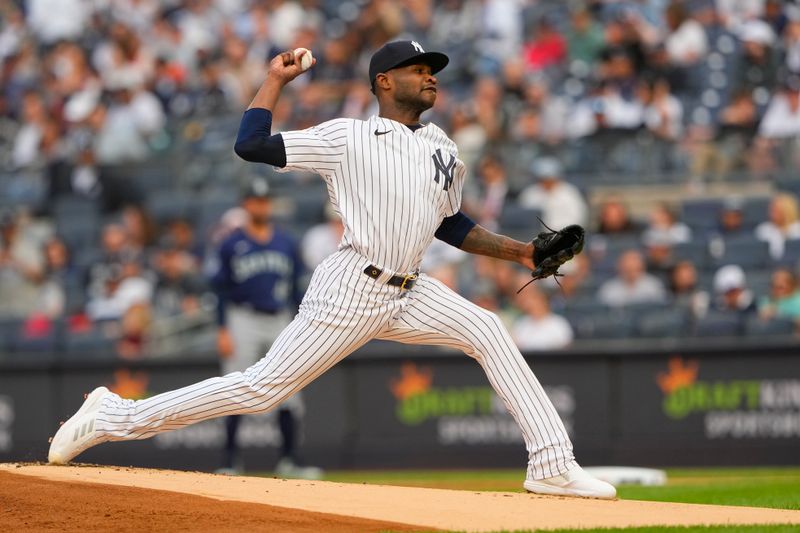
(396, 182)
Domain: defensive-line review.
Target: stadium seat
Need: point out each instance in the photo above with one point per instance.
(154, 174)
(705, 279)
(695, 251)
(219, 195)
(86, 255)
(590, 284)
(199, 171)
(604, 251)
(516, 217)
(756, 326)
(639, 308)
(701, 215)
(759, 281)
(719, 324)
(37, 335)
(309, 209)
(8, 333)
(78, 231)
(74, 295)
(617, 243)
(576, 316)
(585, 302)
(791, 254)
(754, 211)
(664, 322)
(789, 184)
(77, 220)
(164, 205)
(70, 205)
(208, 208)
(218, 134)
(615, 324)
(153, 177)
(745, 251)
(91, 344)
(213, 203)
(519, 222)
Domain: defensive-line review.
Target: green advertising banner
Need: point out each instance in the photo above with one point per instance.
(437, 409)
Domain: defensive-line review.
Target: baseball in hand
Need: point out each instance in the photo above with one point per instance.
(306, 60)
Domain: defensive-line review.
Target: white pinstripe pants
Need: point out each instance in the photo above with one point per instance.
(344, 309)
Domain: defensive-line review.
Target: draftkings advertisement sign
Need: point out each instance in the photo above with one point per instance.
(725, 409)
(737, 408)
(448, 410)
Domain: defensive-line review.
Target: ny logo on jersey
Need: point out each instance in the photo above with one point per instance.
(445, 169)
(417, 47)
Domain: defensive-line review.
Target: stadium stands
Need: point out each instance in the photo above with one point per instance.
(622, 110)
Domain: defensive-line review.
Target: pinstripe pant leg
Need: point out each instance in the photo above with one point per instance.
(345, 310)
(436, 315)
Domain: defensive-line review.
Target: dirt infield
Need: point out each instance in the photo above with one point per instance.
(40, 497)
(37, 504)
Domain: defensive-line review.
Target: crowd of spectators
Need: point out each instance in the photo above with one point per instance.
(537, 95)
(100, 83)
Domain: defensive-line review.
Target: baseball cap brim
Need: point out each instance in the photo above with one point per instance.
(436, 60)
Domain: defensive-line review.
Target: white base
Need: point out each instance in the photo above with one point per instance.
(628, 475)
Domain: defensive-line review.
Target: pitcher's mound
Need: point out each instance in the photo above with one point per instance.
(100, 497)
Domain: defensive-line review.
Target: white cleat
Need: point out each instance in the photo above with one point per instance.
(575, 482)
(78, 433)
(229, 471)
(286, 468)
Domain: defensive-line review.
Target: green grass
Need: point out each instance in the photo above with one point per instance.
(755, 487)
(688, 529)
(673, 529)
(777, 488)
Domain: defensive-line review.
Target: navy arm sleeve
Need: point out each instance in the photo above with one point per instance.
(255, 142)
(453, 229)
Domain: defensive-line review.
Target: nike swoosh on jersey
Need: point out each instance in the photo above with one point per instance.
(381, 132)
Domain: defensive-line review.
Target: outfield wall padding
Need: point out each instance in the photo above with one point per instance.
(392, 407)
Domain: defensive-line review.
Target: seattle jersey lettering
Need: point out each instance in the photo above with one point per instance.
(245, 267)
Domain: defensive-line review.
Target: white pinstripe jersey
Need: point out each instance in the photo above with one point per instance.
(392, 186)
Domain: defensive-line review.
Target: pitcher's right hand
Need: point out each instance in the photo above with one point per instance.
(285, 66)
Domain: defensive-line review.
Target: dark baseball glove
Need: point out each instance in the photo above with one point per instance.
(551, 249)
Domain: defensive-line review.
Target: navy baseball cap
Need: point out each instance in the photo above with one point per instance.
(401, 53)
(258, 188)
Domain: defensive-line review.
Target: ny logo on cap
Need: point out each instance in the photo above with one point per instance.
(445, 169)
(417, 47)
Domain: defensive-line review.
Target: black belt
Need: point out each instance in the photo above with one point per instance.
(404, 282)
